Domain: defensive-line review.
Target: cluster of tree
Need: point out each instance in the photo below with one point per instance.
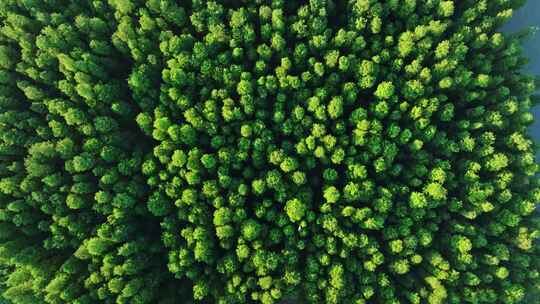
(324, 151)
(73, 225)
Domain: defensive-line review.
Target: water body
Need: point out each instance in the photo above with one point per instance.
(529, 15)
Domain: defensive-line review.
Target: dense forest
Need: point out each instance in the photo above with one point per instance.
(261, 151)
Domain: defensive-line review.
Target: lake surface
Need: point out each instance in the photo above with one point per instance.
(529, 15)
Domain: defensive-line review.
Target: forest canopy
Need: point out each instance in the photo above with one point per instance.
(257, 151)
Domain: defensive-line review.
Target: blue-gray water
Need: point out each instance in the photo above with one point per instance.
(529, 15)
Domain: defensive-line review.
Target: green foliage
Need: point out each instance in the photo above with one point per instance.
(72, 190)
(226, 152)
